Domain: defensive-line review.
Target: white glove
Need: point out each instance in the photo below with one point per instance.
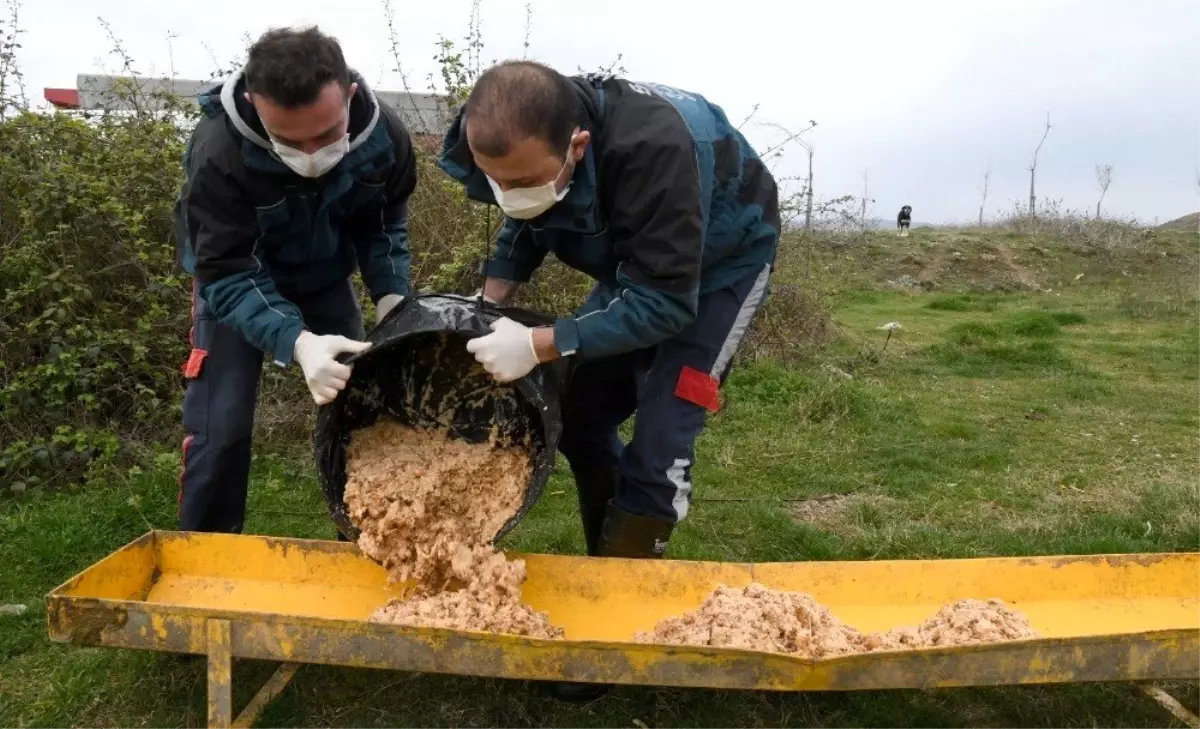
(507, 353)
(385, 305)
(326, 377)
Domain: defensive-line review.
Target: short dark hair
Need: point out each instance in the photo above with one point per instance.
(518, 100)
(290, 66)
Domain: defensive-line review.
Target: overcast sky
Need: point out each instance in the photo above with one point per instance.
(925, 95)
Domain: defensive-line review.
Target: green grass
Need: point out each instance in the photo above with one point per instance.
(991, 424)
(963, 302)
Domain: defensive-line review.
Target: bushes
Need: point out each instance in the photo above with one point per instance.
(1078, 230)
(94, 311)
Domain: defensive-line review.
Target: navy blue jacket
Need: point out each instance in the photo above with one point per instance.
(256, 235)
(669, 202)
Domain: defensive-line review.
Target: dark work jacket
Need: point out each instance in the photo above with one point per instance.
(669, 202)
(256, 235)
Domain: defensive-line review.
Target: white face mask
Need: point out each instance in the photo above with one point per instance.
(315, 164)
(524, 203)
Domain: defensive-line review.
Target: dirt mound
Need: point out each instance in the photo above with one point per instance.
(1189, 223)
(758, 618)
(427, 507)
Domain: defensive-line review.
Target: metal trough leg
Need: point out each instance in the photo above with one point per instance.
(220, 675)
(272, 688)
(220, 682)
(1171, 704)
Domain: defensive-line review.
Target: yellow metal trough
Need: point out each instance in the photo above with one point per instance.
(1100, 618)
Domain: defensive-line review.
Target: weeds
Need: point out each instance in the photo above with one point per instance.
(1170, 296)
(1075, 228)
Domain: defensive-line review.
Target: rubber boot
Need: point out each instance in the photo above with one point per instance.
(597, 485)
(632, 537)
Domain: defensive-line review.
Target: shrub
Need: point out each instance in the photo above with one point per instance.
(94, 309)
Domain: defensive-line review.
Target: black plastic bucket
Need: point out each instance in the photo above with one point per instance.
(419, 372)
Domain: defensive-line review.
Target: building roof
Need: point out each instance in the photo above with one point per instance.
(423, 114)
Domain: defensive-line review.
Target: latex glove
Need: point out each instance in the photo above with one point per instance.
(385, 305)
(507, 353)
(326, 377)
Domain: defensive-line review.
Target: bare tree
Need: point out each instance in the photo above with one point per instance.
(808, 186)
(749, 116)
(775, 150)
(862, 220)
(474, 40)
(983, 192)
(171, 36)
(12, 80)
(1103, 180)
(393, 37)
(1033, 170)
(528, 29)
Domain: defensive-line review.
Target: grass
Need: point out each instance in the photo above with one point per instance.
(991, 424)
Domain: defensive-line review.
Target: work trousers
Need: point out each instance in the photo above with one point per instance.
(671, 387)
(222, 373)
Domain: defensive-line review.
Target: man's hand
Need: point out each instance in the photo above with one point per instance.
(326, 377)
(507, 353)
(385, 305)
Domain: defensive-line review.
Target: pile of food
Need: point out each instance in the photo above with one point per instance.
(427, 507)
(761, 619)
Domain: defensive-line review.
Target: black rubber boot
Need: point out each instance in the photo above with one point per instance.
(597, 486)
(632, 537)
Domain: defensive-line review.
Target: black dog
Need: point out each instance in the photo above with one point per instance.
(903, 220)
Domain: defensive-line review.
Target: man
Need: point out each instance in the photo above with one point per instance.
(904, 219)
(296, 176)
(652, 192)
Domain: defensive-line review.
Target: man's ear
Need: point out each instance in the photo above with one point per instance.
(352, 91)
(579, 145)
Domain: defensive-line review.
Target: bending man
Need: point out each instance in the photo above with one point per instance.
(296, 176)
(652, 192)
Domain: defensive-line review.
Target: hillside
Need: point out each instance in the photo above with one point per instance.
(1190, 222)
(996, 260)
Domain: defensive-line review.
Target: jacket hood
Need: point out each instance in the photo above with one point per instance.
(231, 99)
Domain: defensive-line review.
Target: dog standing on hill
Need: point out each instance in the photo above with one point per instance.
(903, 220)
